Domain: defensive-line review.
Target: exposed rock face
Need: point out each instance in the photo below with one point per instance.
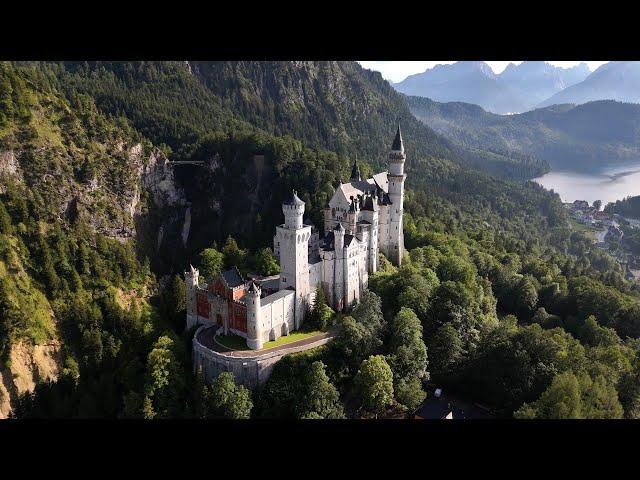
(30, 365)
(157, 176)
(9, 167)
(186, 227)
(152, 173)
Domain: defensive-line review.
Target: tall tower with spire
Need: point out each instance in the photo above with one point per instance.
(292, 238)
(396, 177)
(355, 171)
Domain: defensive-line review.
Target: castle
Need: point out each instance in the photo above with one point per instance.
(362, 218)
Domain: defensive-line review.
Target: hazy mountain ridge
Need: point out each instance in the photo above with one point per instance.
(518, 88)
(537, 80)
(612, 81)
(566, 136)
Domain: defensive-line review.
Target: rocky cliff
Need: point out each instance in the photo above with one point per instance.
(28, 365)
(64, 164)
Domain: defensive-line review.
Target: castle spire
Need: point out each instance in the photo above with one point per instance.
(355, 171)
(397, 142)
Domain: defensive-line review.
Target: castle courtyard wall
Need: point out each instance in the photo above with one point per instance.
(250, 370)
(276, 310)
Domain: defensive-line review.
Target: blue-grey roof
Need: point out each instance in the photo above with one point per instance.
(355, 172)
(347, 239)
(397, 142)
(232, 277)
(293, 199)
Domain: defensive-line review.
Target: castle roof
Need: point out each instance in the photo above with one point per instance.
(355, 171)
(369, 204)
(253, 288)
(339, 227)
(293, 199)
(328, 242)
(377, 184)
(397, 142)
(348, 239)
(277, 296)
(232, 277)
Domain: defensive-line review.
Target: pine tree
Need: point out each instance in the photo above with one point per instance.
(320, 313)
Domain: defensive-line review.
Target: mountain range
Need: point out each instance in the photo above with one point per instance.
(579, 137)
(612, 81)
(517, 89)
(520, 88)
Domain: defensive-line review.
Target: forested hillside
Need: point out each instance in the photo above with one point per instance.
(566, 136)
(74, 297)
(628, 207)
(498, 299)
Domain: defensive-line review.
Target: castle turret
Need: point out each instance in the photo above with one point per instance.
(293, 238)
(396, 177)
(338, 238)
(339, 273)
(370, 214)
(254, 327)
(352, 216)
(293, 209)
(355, 172)
(191, 278)
(328, 219)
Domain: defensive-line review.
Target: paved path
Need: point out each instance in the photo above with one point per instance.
(206, 338)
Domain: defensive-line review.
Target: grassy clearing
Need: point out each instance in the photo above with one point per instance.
(236, 342)
(232, 341)
(586, 229)
(36, 315)
(292, 337)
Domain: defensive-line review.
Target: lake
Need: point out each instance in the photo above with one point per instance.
(608, 185)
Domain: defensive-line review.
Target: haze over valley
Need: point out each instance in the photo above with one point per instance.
(575, 124)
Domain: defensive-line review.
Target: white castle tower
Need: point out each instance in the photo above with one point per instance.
(293, 240)
(254, 327)
(396, 178)
(191, 278)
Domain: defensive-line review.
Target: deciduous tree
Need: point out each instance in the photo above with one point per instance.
(374, 384)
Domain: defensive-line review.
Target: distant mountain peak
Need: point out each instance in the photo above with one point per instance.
(517, 89)
(611, 81)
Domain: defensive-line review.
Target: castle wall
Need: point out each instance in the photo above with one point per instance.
(315, 277)
(352, 276)
(277, 315)
(328, 273)
(383, 229)
(251, 371)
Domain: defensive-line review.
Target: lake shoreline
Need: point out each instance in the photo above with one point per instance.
(607, 184)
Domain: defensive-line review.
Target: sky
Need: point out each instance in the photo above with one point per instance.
(397, 71)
